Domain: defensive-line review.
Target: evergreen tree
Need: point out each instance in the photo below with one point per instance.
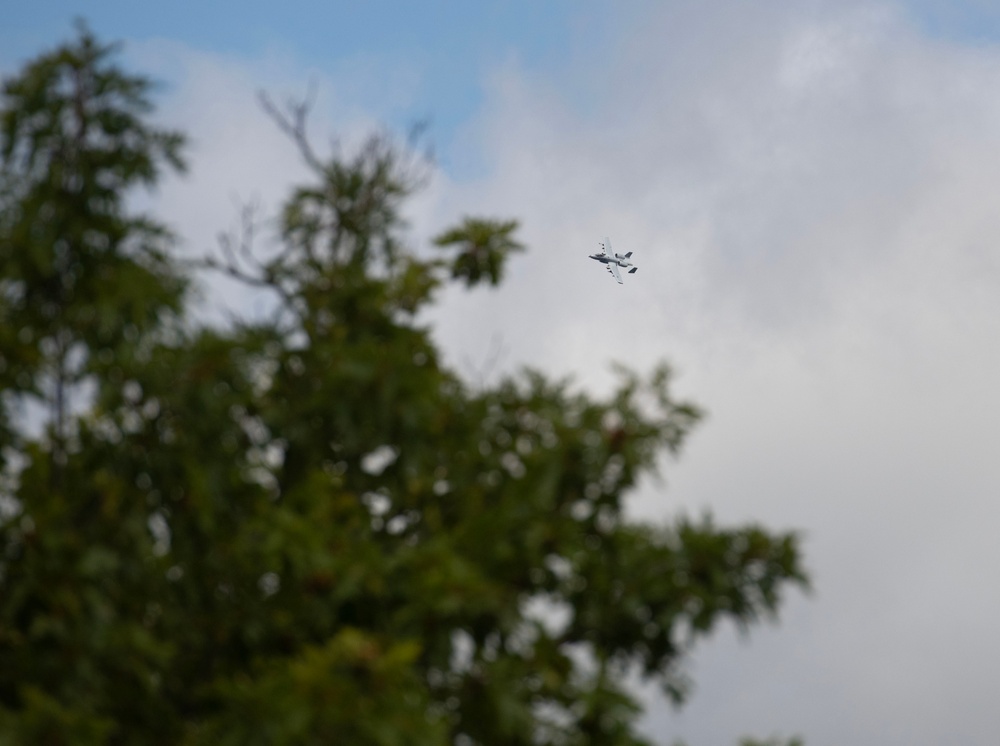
(81, 278)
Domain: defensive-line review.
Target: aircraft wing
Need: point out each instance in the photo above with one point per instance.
(613, 269)
(607, 247)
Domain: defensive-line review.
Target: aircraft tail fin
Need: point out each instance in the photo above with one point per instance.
(628, 255)
(633, 270)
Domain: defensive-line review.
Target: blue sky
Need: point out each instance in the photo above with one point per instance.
(812, 192)
(449, 45)
(974, 21)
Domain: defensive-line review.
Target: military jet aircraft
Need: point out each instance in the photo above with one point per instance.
(612, 261)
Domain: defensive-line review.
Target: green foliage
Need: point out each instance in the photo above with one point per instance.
(484, 246)
(309, 530)
(80, 279)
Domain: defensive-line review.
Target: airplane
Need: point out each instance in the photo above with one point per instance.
(612, 261)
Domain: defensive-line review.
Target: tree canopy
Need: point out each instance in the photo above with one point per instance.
(308, 529)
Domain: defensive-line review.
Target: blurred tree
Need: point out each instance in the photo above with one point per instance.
(80, 278)
(309, 530)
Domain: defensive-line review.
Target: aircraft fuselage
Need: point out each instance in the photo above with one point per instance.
(618, 259)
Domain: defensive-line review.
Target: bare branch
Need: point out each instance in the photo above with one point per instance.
(238, 259)
(293, 123)
(494, 355)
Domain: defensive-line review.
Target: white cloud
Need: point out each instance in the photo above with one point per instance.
(812, 197)
(811, 192)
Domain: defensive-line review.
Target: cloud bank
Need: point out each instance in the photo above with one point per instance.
(811, 191)
(812, 196)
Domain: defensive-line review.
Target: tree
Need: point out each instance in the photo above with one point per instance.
(309, 530)
(79, 277)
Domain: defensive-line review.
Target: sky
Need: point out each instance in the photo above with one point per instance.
(812, 193)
